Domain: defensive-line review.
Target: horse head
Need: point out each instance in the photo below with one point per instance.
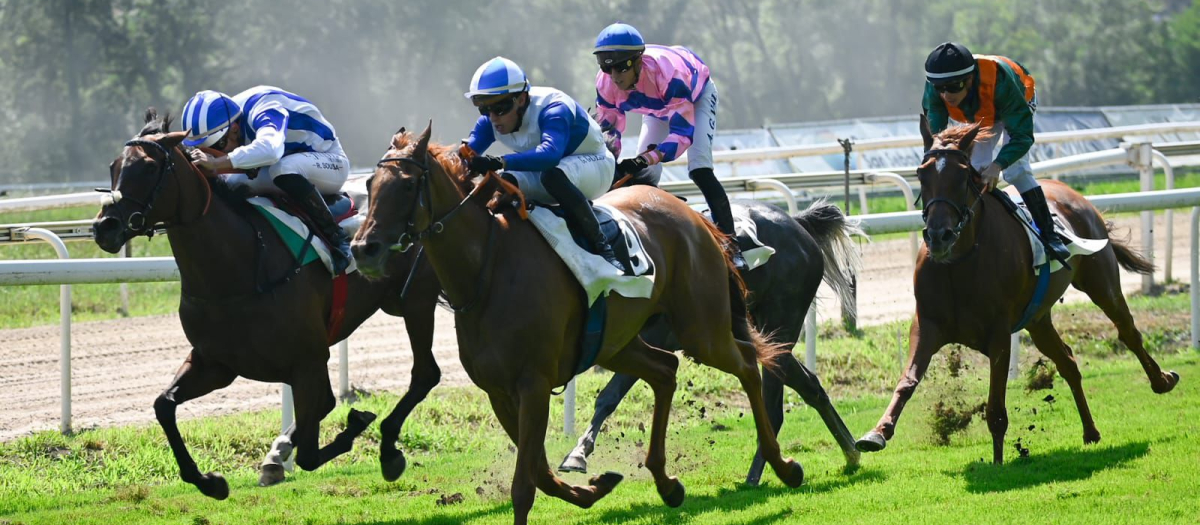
(950, 186)
(404, 195)
(144, 185)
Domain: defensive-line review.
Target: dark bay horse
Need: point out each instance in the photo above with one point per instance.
(974, 278)
(247, 310)
(519, 312)
(809, 247)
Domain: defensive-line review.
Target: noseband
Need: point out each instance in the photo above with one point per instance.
(965, 212)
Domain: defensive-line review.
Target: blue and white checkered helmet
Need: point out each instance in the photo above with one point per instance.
(207, 116)
(498, 76)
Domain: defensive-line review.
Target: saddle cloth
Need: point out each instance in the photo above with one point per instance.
(289, 227)
(1075, 244)
(596, 275)
(746, 235)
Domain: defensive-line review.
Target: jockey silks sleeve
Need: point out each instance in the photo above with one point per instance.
(671, 80)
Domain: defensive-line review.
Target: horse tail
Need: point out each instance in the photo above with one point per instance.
(832, 231)
(766, 351)
(1126, 256)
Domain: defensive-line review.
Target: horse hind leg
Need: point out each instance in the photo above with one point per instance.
(799, 378)
(1045, 337)
(314, 400)
(1098, 278)
(657, 368)
(195, 378)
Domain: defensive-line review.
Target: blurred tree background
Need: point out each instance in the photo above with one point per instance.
(76, 75)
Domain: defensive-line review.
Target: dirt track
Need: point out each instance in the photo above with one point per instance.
(118, 367)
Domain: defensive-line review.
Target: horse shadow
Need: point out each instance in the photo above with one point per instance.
(726, 499)
(1057, 466)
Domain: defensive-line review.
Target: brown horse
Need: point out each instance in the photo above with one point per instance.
(519, 312)
(248, 310)
(973, 281)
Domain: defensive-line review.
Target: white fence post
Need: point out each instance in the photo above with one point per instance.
(64, 330)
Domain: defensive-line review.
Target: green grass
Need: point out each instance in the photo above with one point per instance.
(1144, 471)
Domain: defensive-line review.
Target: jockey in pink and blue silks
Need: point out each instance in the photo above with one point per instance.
(670, 86)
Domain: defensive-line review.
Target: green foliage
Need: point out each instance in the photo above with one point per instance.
(76, 75)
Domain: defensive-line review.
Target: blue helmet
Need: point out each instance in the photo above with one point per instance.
(498, 76)
(207, 116)
(621, 38)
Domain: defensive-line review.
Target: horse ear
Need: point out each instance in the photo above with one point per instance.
(423, 141)
(170, 140)
(969, 138)
(926, 135)
(150, 115)
(401, 130)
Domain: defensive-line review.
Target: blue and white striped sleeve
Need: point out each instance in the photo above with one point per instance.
(269, 124)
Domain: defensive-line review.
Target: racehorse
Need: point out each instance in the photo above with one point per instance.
(519, 312)
(247, 307)
(809, 247)
(973, 281)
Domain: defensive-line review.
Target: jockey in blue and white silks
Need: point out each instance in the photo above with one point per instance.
(559, 153)
(285, 144)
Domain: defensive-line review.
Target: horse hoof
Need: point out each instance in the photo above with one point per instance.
(795, 476)
(358, 420)
(393, 467)
(574, 463)
(605, 483)
(853, 458)
(872, 442)
(214, 486)
(675, 495)
(1091, 438)
(271, 474)
(1174, 380)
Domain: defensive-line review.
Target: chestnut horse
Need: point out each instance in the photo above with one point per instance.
(248, 310)
(974, 279)
(519, 312)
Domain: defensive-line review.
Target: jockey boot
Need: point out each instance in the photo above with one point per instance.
(304, 195)
(722, 215)
(1035, 200)
(580, 214)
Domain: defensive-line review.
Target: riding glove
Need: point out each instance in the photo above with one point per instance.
(632, 166)
(485, 163)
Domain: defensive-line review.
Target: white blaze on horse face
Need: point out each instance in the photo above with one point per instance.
(940, 165)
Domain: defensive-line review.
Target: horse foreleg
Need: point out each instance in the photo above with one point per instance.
(657, 368)
(1048, 342)
(194, 378)
(923, 342)
(808, 385)
(997, 411)
(606, 403)
(425, 375)
(314, 400)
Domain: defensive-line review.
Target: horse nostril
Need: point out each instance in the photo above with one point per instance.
(367, 250)
(106, 225)
(947, 235)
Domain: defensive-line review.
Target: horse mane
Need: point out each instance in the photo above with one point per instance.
(954, 135)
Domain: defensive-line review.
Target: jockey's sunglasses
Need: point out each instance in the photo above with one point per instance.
(953, 87)
(619, 67)
(498, 108)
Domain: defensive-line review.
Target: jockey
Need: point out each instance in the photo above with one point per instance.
(998, 93)
(267, 127)
(670, 86)
(559, 156)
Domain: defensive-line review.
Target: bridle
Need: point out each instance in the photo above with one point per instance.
(137, 223)
(965, 212)
(408, 238)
